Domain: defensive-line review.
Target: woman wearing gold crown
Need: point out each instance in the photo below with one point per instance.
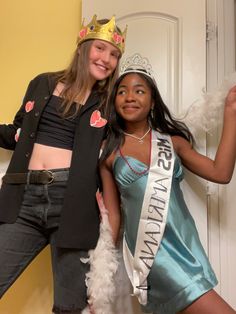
(48, 192)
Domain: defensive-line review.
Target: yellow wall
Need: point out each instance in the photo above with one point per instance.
(35, 36)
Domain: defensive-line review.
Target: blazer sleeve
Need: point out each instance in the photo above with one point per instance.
(8, 131)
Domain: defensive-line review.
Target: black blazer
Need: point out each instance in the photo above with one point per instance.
(79, 224)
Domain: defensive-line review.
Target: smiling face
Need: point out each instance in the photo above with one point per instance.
(103, 59)
(133, 99)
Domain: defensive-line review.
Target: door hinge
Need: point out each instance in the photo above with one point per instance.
(211, 30)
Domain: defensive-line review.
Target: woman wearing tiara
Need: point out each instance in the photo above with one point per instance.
(141, 168)
(48, 192)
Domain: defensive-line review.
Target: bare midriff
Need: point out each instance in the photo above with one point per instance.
(48, 157)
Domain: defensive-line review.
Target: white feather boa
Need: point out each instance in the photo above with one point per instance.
(206, 113)
(103, 262)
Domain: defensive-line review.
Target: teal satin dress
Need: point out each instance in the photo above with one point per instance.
(181, 272)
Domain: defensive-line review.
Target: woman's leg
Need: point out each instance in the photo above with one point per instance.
(209, 303)
(19, 244)
(70, 293)
(21, 241)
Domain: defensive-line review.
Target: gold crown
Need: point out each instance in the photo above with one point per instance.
(108, 32)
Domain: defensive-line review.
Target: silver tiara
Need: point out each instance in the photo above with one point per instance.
(136, 63)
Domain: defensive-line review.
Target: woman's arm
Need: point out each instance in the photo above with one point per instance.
(111, 197)
(220, 169)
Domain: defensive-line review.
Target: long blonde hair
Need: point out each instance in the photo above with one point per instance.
(76, 77)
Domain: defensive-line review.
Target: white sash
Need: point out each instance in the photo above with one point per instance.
(153, 215)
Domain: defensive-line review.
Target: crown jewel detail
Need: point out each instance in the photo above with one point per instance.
(136, 63)
(108, 32)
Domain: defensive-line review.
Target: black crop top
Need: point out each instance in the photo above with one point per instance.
(54, 129)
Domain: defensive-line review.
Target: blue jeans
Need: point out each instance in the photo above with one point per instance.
(35, 227)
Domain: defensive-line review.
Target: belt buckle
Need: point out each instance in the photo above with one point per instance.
(51, 176)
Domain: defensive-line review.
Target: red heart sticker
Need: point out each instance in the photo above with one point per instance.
(29, 106)
(83, 33)
(96, 120)
(117, 38)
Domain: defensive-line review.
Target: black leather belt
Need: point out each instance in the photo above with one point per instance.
(36, 177)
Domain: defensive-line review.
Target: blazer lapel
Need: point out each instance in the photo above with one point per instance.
(90, 102)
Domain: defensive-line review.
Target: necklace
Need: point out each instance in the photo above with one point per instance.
(140, 173)
(140, 139)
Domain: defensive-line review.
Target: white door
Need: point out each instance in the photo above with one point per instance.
(172, 34)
